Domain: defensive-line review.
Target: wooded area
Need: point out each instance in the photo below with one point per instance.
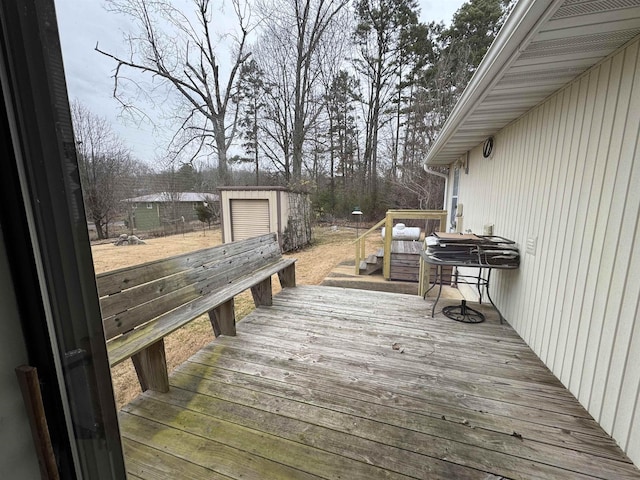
(338, 98)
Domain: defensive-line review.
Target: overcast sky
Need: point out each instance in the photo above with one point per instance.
(89, 75)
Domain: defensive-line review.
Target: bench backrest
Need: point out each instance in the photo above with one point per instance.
(132, 296)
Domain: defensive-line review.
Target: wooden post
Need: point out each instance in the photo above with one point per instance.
(388, 235)
(32, 396)
(287, 276)
(262, 294)
(443, 222)
(151, 367)
(421, 287)
(223, 319)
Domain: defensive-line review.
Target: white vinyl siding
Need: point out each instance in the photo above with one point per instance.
(568, 174)
(249, 218)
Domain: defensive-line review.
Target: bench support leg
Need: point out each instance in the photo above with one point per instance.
(262, 294)
(287, 276)
(151, 367)
(223, 319)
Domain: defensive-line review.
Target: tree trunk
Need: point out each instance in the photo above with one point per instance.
(297, 144)
(409, 127)
(396, 143)
(297, 138)
(221, 146)
(99, 230)
(255, 139)
(332, 155)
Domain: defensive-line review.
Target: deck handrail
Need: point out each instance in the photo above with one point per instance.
(360, 243)
(388, 223)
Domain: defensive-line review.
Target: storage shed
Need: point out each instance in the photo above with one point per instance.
(250, 211)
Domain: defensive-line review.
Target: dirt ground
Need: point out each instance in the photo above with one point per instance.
(331, 246)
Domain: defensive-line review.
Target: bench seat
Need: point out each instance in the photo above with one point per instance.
(128, 344)
(143, 304)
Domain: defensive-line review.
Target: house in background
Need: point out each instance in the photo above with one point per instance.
(167, 208)
(543, 146)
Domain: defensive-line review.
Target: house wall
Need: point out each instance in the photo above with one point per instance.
(147, 218)
(169, 213)
(162, 213)
(567, 173)
(17, 455)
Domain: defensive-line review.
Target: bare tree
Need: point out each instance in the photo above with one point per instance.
(294, 50)
(178, 47)
(380, 23)
(104, 164)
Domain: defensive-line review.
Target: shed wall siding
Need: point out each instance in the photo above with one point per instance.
(227, 195)
(297, 222)
(568, 173)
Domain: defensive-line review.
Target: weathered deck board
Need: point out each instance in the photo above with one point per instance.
(435, 381)
(145, 462)
(312, 387)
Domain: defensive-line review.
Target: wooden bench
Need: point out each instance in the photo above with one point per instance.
(143, 304)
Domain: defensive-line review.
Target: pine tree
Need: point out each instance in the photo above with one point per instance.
(378, 37)
(341, 131)
(251, 93)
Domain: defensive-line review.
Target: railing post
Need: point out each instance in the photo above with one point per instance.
(443, 222)
(388, 235)
(421, 268)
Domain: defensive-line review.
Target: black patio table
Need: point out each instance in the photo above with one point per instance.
(469, 251)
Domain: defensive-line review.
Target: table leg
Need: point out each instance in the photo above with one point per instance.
(438, 277)
(489, 297)
(435, 282)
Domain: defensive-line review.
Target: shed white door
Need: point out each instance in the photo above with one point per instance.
(249, 218)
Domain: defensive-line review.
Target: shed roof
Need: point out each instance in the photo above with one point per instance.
(178, 197)
(259, 188)
(254, 188)
(543, 45)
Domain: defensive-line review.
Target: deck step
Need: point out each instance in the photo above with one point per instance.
(371, 264)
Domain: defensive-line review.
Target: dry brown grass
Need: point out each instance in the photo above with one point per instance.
(331, 246)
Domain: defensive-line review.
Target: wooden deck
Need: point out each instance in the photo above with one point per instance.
(346, 384)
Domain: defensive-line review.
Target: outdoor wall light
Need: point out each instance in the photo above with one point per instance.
(487, 148)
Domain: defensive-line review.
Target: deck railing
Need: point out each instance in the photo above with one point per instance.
(360, 244)
(388, 221)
